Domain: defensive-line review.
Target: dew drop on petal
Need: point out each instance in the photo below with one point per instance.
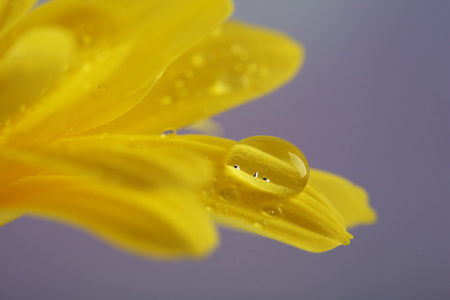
(166, 100)
(228, 194)
(272, 211)
(197, 60)
(269, 163)
(260, 224)
(86, 38)
(207, 191)
(99, 91)
(211, 207)
(169, 132)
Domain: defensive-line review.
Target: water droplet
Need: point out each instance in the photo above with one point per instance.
(229, 82)
(86, 67)
(211, 207)
(99, 91)
(260, 224)
(166, 100)
(262, 157)
(169, 132)
(182, 92)
(228, 194)
(262, 72)
(271, 211)
(252, 68)
(216, 32)
(207, 191)
(220, 87)
(189, 73)
(236, 48)
(66, 67)
(179, 83)
(197, 60)
(86, 38)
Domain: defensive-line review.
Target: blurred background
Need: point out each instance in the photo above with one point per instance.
(372, 104)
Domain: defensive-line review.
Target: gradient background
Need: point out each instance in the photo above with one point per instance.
(372, 104)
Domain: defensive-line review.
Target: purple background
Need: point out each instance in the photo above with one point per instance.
(372, 104)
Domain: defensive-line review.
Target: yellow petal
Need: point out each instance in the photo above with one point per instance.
(206, 126)
(121, 51)
(351, 200)
(166, 223)
(29, 66)
(307, 221)
(128, 160)
(131, 161)
(234, 64)
(13, 10)
(6, 217)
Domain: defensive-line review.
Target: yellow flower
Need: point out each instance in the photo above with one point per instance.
(87, 88)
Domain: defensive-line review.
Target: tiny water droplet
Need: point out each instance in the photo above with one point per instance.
(66, 67)
(182, 92)
(42, 91)
(197, 60)
(228, 195)
(274, 158)
(169, 132)
(229, 82)
(179, 83)
(207, 191)
(220, 87)
(262, 72)
(86, 39)
(236, 48)
(86, 67)
(99, 91)
(216, 32)
(211, 207)
(272, 211)
(189, 73)
(239, 67)
(166, 100)
(236, 167)
(260, 224)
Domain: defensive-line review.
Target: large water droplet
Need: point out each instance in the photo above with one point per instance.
(280, 166)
